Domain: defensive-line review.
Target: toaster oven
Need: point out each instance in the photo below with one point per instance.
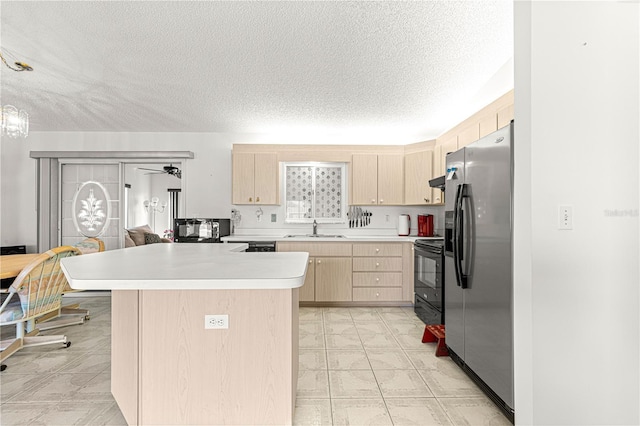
(194, 230)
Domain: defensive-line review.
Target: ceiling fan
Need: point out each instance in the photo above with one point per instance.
(170, 170)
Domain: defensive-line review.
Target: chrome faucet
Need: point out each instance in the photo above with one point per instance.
(315, 228)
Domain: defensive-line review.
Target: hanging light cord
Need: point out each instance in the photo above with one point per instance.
(21, 65)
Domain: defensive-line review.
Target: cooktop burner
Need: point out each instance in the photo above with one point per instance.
(432, 243)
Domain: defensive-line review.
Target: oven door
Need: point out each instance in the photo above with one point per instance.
(428, 276)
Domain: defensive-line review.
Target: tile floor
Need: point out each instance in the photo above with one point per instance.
(358, 366)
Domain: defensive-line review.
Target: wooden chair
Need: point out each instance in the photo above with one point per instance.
(71, 314)
(35, 292)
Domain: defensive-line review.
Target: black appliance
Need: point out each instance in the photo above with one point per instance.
(7, 250)
(259, 246)
(429, 281)
(438, 182)
(193, 230)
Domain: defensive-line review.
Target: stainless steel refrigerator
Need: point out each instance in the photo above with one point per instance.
(478, 262)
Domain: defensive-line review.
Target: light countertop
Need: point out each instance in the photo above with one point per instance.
(346, 239)
(185, 267)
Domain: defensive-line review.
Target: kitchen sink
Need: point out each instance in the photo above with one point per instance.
(314, 236)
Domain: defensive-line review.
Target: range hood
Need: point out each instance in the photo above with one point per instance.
(438, 182)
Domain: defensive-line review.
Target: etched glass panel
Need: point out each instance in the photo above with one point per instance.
(299, 192)
(328, 192)
(90, 205)
(314, 191)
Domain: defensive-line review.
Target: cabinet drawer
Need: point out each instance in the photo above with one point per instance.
(363, 264)
(317, 249)
(377, 249)
(381, 294)
(377, 279)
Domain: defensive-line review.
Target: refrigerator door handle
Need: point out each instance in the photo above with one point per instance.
(461, 194)
(457, 215)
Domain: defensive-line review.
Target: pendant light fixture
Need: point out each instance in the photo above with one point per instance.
(14, 122)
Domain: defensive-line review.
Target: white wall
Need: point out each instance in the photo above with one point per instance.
(577, 294)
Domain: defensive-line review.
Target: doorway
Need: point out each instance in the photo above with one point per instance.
(89, 170)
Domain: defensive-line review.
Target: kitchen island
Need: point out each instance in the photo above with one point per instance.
(166, 368)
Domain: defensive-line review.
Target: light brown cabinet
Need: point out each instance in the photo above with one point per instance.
(418, 170)
(255, 178)
(333, 279)
(505, 115)
(377, 179)
(377, 272)
(329, 271)
(447, 146)
(308, 289)
(489, 119)
(488, 125)
(468, 135)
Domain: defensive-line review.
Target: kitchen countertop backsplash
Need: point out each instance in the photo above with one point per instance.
(267, 222)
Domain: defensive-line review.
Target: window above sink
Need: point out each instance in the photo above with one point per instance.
(315, 191)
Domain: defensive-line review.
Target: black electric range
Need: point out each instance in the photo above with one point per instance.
(429, 280)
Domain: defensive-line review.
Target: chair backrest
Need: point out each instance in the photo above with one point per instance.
(90, 245)
(41, 283)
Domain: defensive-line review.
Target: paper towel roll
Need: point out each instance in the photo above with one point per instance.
(404, 225)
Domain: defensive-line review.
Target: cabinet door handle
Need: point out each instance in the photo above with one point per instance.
(373, 201)
(377, 264)
(377, 294)
(426, 200)
(377, 250)
(310, 261)
(257, 199)
(377, 279)
(381, 201)
(319, 261)
(251, 199)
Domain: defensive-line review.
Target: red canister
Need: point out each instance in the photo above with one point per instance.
(425, 225)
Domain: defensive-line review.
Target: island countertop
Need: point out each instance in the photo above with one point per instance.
(186, 267)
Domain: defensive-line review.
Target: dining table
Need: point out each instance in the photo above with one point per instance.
(12, 264)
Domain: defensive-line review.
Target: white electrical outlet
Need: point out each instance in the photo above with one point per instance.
(216, 321)
(565, 217)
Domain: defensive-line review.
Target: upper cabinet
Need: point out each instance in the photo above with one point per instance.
(255, 178)
(505, 115)
(418, 171)
(444, 148)
(364, 179)
(468, 135)
(377, 179)
(488, 125)
(489, 119)
(390, 179)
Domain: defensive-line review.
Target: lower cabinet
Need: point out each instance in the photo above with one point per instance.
(377, 272)
(328, 272)
(383, 294)
(308, 290)
(333, 279)
(356, 272)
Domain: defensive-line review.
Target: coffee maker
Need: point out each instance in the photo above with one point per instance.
(425, 225)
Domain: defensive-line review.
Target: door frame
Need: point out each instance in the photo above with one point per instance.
(48, 182)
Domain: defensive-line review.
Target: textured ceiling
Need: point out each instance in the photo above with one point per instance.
(367, 72)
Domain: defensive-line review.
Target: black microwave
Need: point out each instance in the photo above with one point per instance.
(195, 230)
